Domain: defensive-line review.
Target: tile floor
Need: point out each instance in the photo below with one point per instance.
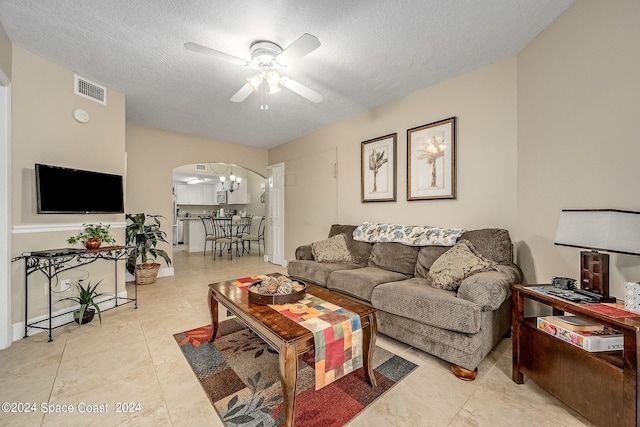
(133, 361)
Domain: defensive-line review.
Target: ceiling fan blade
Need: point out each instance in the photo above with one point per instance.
(242, 94)
(195, 47)
(299, 48)
(301, 90)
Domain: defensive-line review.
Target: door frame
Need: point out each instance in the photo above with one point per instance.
(6, 332)
(275, 239)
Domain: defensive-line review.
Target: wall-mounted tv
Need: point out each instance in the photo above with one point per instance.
(63, 190)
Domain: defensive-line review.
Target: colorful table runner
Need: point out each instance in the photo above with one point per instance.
(244, 282)
(337, 334)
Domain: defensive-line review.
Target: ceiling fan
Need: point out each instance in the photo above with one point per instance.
(268, 59)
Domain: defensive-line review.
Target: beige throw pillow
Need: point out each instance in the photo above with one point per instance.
(456, 264)
(334, 249)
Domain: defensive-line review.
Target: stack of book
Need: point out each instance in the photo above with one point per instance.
(582, 333)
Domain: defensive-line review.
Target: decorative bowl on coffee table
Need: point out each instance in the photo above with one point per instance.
(266, 299)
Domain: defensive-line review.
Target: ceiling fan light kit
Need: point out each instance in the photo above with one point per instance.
(267, 57)
(255, 81)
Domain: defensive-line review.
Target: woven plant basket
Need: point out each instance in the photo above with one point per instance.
(146, 273)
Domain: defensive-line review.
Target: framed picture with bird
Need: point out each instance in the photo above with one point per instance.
(378, 169)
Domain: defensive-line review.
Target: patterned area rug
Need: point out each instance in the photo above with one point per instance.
(239, 374)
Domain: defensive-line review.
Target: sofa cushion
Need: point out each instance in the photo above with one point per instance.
(334, 250)
(456, 264)
(492, 243)
(426, 257)
(315, 272)
(304, 252)
(394, 257)
(361, 282)
(360, 251)
(415, 299)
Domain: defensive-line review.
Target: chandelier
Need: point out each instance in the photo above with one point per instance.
(234, 182)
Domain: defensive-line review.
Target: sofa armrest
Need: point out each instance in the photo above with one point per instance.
(489, 289)
(304, 252)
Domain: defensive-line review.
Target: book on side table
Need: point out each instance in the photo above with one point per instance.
(575, 323)
(605, 339)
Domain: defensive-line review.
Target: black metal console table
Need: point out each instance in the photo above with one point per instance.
(53, 264)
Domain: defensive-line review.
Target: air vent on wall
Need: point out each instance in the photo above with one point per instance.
(90, 90)
(201, 167)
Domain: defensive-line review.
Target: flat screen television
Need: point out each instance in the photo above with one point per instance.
(63, 190)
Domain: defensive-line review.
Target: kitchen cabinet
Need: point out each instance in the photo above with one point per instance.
(182, 197)
(239, 196)
(209, 193)
(196, 194)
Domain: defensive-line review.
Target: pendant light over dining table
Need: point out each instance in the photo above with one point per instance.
(234, 182)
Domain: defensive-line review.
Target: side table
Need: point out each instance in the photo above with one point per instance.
(52, 265)
(601, 386)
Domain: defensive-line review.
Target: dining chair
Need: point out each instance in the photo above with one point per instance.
(243, 226)
(259, 237)
(209, 234)
(225, 237)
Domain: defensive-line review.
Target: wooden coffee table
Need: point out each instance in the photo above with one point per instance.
(287, 337)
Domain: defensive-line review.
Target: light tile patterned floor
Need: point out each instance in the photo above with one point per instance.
(133, 359)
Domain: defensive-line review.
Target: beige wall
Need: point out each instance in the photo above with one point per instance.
(44, 131)
(578, 143)
(152, 154)
(549, 129)
(552, 128)
(5, 53)
(485, 103)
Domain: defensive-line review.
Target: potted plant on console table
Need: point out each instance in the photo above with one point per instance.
(93, 236)
(88, 306)
(143, 231)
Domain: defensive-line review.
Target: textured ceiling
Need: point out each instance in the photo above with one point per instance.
(372, 52)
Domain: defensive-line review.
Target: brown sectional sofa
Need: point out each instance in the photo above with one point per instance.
(460, 326)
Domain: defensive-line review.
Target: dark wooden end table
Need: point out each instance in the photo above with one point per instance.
(602, 386)
(287, 337)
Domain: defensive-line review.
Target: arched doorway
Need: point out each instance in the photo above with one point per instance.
(198, 191)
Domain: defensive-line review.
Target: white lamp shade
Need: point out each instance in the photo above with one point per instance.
(609, 230)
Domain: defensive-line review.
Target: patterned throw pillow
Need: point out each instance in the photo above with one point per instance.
(456, 264)
(334, 249)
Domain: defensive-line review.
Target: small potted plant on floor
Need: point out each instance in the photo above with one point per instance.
(143, 231)
(86, 299)
(93, 236)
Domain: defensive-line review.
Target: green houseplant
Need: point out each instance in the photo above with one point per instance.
(143, 231)
(93, 236)
(86, 299)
